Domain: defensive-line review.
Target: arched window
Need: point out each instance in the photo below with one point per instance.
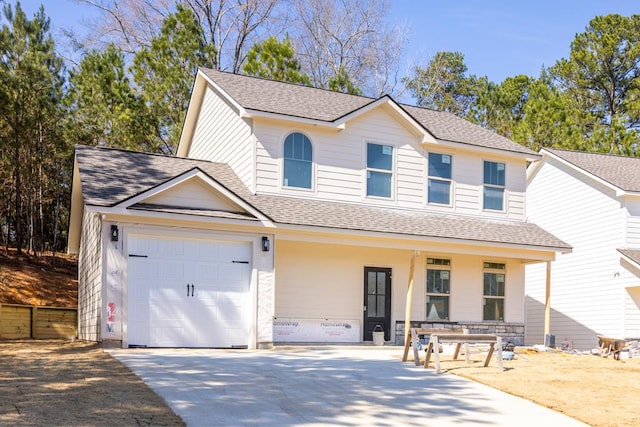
(298, 161)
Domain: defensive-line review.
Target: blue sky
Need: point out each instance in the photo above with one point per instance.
(499, 38)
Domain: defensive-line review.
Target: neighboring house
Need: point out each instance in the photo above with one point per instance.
(591, 201)
(294, 214)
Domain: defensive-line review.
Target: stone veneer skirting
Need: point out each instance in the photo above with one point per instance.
(512, 332)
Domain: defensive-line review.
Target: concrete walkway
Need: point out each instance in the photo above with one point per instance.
(324, 385)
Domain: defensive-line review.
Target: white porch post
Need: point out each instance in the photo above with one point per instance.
(407, 311)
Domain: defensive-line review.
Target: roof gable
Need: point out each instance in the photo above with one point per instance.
(110, 176)
(253, 95)
(193, 190)
(619, 172)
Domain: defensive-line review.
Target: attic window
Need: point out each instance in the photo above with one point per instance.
(298, 161)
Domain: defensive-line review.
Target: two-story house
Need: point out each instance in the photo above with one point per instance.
(591, 201)
(295, 214)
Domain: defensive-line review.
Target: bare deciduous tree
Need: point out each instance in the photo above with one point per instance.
(129, 24)
(348, 35)
(231, 26)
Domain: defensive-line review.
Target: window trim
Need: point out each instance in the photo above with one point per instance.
(495, 186)
(491, 269)
(441, 267)
(391, 172)
(312, 162)
(435, 178)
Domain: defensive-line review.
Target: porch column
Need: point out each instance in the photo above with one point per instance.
(407, 311)
(547, 303)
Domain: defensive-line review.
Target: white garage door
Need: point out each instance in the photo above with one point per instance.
(188, 293)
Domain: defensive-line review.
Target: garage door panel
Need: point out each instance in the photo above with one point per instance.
(201, 250)
(143, 246)
(168, 336)
(171, 269)
(231, 314)
(162, 312)
(168, 315)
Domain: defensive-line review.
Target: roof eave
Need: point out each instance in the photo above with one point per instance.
(251, 114)
(193, 111)
(191, 173)
(629, 259)
(432, 239)
(119, 213)
(489, 150)
(76, 211)
(401, 113)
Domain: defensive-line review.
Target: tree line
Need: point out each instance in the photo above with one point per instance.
(130, 86)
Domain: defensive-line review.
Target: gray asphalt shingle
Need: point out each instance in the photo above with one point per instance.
(622, 172)
(111, 176)
(318, 104)
(632, 254)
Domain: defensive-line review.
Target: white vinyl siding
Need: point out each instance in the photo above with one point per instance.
(221, 136)
(90, 278)
(632, 222)
(632, 312)
(534, 301)
(340, 163)
(340, 159)
(585, 294)
(194, 194)
(308, 289)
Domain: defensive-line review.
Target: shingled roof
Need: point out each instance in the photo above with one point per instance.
(632, 254)
(300, 101)
(111, 176)
(619, 171)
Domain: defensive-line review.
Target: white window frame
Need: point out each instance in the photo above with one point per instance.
(391, 172)
(313, 164)
(493, 267)
(440, 267)
(436, 178)
(502, 187)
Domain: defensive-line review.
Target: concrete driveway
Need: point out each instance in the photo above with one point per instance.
(324, 385)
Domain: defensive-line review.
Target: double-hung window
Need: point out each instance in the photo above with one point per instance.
(379, 170)
(494, 283)
(493, 190)
(298, 161)
(439, 182)
(438, 288)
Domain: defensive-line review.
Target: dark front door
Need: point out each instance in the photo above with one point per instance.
(377, 301)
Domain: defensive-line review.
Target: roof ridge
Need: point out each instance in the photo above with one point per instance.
(594, 153)
(228, 73)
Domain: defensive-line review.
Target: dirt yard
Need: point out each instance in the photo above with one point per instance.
(596, 391)
(60, 383)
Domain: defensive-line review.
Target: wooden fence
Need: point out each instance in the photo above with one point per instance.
(26, 321)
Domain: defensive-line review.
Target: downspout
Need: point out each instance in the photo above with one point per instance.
(547, 303)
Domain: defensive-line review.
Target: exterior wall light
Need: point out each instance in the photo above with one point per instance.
(114, 233)
(265, 244)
